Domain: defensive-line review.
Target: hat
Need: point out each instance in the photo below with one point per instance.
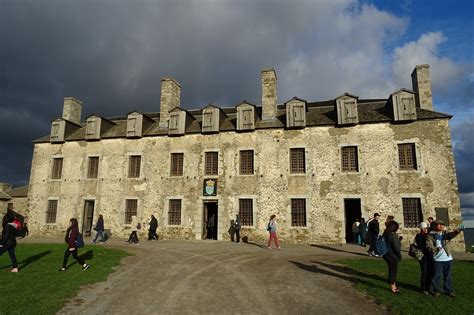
(438, 222)
(423, 225)
(376, 214)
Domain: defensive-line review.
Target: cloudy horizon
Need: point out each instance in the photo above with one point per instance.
(112, 54)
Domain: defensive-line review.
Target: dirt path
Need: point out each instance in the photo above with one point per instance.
(196, 277)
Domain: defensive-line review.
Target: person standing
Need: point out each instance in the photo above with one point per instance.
(237, 227)
(430, 224)
(211, 224)
(272, 228)
(374, 230)
(133, 238)
(426, 263)
(231, 231)
(152, 229)
(438, 243)
(356, 232)
(99, 228)
(363, 232)
(70, 239)
(8, 242)
(393, 256)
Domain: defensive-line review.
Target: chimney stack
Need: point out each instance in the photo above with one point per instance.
(5, 187)
(421, 82)
(269, 94)
(72, 110)
(170, 98)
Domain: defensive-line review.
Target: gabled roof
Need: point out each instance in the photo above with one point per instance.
(21, 191)
(4, 196)
(245, 103)
(295, 98)
(347, 94)
(403, 90)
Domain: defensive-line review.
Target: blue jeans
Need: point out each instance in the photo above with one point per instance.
(101, 233)
(444, 269)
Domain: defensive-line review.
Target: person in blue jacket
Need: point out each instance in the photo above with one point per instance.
(99, 227)
(8, 242)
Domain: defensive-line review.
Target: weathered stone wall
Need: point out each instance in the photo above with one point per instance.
(379, 184)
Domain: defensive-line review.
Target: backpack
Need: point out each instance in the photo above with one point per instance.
(79, 240)
(19, 227)
(381, 246)
(269, 228)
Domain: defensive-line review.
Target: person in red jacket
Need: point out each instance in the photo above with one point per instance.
(8, 242)
(70, 239)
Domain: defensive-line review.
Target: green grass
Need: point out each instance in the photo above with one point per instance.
(39, 288)
(371, 277)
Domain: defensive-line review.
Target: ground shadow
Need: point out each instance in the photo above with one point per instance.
(86, 256)
(338, 250)
(255, 244)
(29, 260)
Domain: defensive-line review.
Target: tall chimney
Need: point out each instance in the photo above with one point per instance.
(269, 94)
(420, 78)
(72, 110)
(170, 98)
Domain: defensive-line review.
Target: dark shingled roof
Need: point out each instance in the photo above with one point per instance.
(318, 114)
(19, 192)
(4, 196)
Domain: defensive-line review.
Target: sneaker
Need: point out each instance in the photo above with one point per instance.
(370, 253)
(436, 294)
(269, 247)
(426, 292)
(279, 248)
(92, 242)
(451, 294)
(62, 269)
(85, 267)
(14, 270)
(376, 255)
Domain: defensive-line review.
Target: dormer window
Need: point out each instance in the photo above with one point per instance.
(296, 113)
(93, 128)
(174, 123)
(403, 105)
(180, 120)
(137, 124)
(210, 119)
(245, 117)
(346, 108)
(57, 130)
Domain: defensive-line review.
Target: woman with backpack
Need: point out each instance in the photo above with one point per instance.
(8, 242)
(392, 255)
(72, 235)
(271, 228)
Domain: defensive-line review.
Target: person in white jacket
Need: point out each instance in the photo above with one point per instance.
(133, 238)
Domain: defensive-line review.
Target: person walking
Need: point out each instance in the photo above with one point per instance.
(8, 242)
(231, 231)
(70, 239)
(237, 227)
(356, 232)
(438, 243)
(133, 238)
(426, 263)
(374, 230)
(393, 256)
(99, 228)
(152, 229)
(272, 228)
(363, 232)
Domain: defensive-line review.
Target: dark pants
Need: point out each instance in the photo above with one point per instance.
(152, 234)
(133, 237)
(373, 241)
(11, 253)
(232, 236)
(442, 269)
(426, 269)
(392, 263)
(67, 253)
(237, 236)
(101, 234)
(362, 240)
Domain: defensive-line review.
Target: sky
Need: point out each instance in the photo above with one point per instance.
(112, 54)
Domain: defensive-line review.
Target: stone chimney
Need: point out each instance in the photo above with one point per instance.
(170, 98)
(269, 94)
(72, 110)
(421, 82)
(5, 187)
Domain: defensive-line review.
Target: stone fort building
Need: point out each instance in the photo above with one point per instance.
(317, 165)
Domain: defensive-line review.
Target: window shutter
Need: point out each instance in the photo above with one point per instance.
(247, 121)
(131, 126)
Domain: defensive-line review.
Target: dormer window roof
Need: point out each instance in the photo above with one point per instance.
(402, 103)
(212, 117)
(296, 113)
(137, 123)
(246, 116)
(179, 120)
(346, 109)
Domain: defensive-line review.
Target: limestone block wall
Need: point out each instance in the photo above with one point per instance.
(379, 183)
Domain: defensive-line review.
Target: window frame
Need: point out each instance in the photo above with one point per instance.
(247, 163)
(294, 219)
(175, 212)
(404, 154)
(246, 217)
(179, 170)
(89, 159)
(347, 164)
(55, 174)
(211, 168)
(49, 211)
(411, 220)
(130, 167)
(129, 213)
(296, 159)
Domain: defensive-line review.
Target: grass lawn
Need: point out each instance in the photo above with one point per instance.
(39, 288)
(371, 275)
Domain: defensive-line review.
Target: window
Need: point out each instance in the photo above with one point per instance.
(174, 213)
(246, 162)
(298, 212)
(211, 163)
(412, 214)
(350, 161)
(297, 161)
(246, 211)
(407, 156)
(51, 212)
(176, 164)
(57, 168)
(93, 167)
(134, 166)
(131, 206)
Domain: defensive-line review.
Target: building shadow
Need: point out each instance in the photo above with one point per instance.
(338, 250)
(86, 256)
(23, 264)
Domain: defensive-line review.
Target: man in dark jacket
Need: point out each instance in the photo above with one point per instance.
(8, 242)
(374, 230)
(237, 226)
(152, 229)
